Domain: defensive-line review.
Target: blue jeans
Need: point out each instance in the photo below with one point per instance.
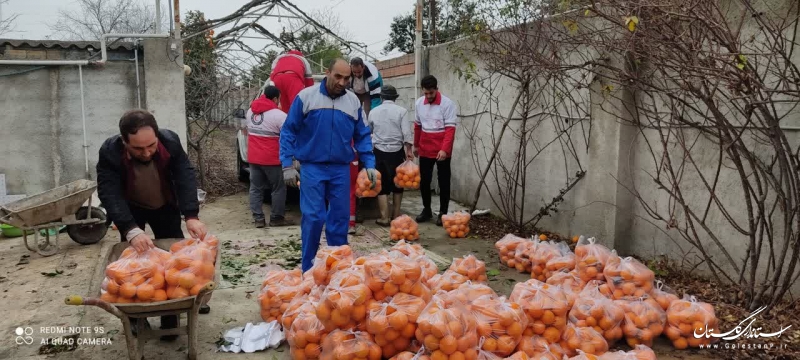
(320, 183)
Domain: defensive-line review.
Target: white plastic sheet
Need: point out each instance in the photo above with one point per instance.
(251, 338)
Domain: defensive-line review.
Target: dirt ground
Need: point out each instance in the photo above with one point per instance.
(33, 288)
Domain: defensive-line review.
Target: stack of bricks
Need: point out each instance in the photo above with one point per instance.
(399, 66)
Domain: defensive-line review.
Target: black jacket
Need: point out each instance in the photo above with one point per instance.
(114, 176)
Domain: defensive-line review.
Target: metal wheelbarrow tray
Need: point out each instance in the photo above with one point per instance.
(189, 305)
(54, 208)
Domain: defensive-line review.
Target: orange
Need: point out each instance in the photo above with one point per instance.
(127, 290)
(448, 344)
(108, 297)
(187, 280)
(145, 292)
(112, 287)
(173, 277)
(179, 293)
(196, 289)
(680, 343)
(159, 295)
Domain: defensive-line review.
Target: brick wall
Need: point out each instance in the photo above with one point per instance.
(399, 66)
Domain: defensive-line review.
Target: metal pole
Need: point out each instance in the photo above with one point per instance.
(158, 16)
(136, 61)
(83, 116)
(418, 50)
(171, 24)
(177, 12)
(433, 22)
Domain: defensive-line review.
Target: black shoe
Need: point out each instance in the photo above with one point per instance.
(205, 309)
(279, 222)
(425, 216)
(133, 325)
(439, 220)
(169, 322)
(260, 223)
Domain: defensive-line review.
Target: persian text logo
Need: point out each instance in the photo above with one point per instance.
(745, 328)
(24, 335)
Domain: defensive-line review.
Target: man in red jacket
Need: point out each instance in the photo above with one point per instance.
(291, 73)
(434, 132)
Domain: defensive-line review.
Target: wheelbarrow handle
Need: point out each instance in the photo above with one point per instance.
(89, 301)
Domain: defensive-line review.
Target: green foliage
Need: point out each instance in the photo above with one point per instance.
(317, 48)
(455, 18)
(200, 56)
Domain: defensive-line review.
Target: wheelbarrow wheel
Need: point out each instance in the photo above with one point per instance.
(88, 234)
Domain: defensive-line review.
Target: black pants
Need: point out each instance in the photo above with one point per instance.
(166, 224)
(426, 175)
(386, 164)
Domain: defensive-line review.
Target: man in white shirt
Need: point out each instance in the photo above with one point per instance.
(392, 139)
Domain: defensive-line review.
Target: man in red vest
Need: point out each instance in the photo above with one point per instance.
(291, 73)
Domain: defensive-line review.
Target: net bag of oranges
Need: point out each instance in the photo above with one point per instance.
(663, 295)
(570, 283)
(350, 345)
(500, 322)
(344, 302)
(546, 306)
(469, 291)
(627, 278)
(407, 176)
(135, 277)
(189, 270)
(585, 339)
(639, 352)
(209, 242)
(446, 332)
(522, 256)
(593, 310)
(365, 187)
(393, 323)
(404, 228)
(447, 281)
(482, 354)
(591, 259)
(685, 318)
(408, 355)
(507, 247)
(470, 267)
(330, 260)
(537, 347)
(542, 253)
(565, 261)
(456, 224)
(279, 288)
(391, 275)
(644, 321)
(295, 307)
(408, 248)
(306, 333)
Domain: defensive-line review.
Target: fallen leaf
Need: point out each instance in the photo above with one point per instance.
(493, 272)
(632, 22)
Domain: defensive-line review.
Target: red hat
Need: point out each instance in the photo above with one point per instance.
(296, 52)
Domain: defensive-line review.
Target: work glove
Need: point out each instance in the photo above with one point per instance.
(372, 175)
(291, 177)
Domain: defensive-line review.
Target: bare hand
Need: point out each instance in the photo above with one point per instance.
(142, 243)
(442, 155)
(409, 155)
(196, 228)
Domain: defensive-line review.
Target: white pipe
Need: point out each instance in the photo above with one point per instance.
(103, 51)
(136, 62)
(83, 116)
(418, 50)
(158, 17)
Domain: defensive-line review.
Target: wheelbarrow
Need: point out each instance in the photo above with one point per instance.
(125, 312)
(55, 208)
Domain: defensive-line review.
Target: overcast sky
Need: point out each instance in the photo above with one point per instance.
(367, 20)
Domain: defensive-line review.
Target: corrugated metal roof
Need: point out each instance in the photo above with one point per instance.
(50, 44)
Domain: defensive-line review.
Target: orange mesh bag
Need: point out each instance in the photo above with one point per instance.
(591, 259)
(542, 253)
(279, 288)
(447, 281)
(407, 176)
(391, 275)
(189, 270)
(364, 187)
(350, 345)
(662, 295)
(135, 277)
(306, 333)
(456, 224)
(404, 228)
(428, 267)
(447, 332)
(537, 347)
(507, 247)
(688, 317)
(593, 310)
(522, 256)
(640, 352)
(564, 261)
(393, 324)
(470, 267)
(408, 355)
(500, 322)
(627, 278)
(345, 300)
(329, 260)
(585, 339)
(644, 321)
(546, 306)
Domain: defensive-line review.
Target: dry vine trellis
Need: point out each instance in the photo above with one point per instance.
(711, 88)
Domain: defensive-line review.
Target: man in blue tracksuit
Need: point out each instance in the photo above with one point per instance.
(321, 125)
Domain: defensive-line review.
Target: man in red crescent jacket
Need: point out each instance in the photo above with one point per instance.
(291, 73)
(434, 132)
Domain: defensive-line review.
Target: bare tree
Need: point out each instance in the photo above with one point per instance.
(6, 23)
(93, 18)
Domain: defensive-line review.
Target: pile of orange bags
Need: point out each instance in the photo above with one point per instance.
(306, 334)
(189, 269)
(537, 347)
(350, 345)
(393, 324)
(522, 260)
(546, 306)
(209, 242)
(447, 281)
(364, 187)
(407, 176)
(296, 306)
(507, 247)
(456, 224)
(662, 295)
(685, 318)
(391, 275)
(584, 339)
(345, 300)
(404, 228)
(593, 310)
(469, 291)
(470, 267)
(627, 278)
(409, 249)
(542, 253)
(640, 352)
(447, 332)
(278, 289)
(570, 283)
(591, 259)
(565, 261)
(644, 321)
(330, 260)
(135, 278)
(501, 322)
(408, 355)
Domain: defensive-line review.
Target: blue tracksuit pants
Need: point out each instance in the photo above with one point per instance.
(320, 183)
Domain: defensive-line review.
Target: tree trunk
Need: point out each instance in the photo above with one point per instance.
(201, 165)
